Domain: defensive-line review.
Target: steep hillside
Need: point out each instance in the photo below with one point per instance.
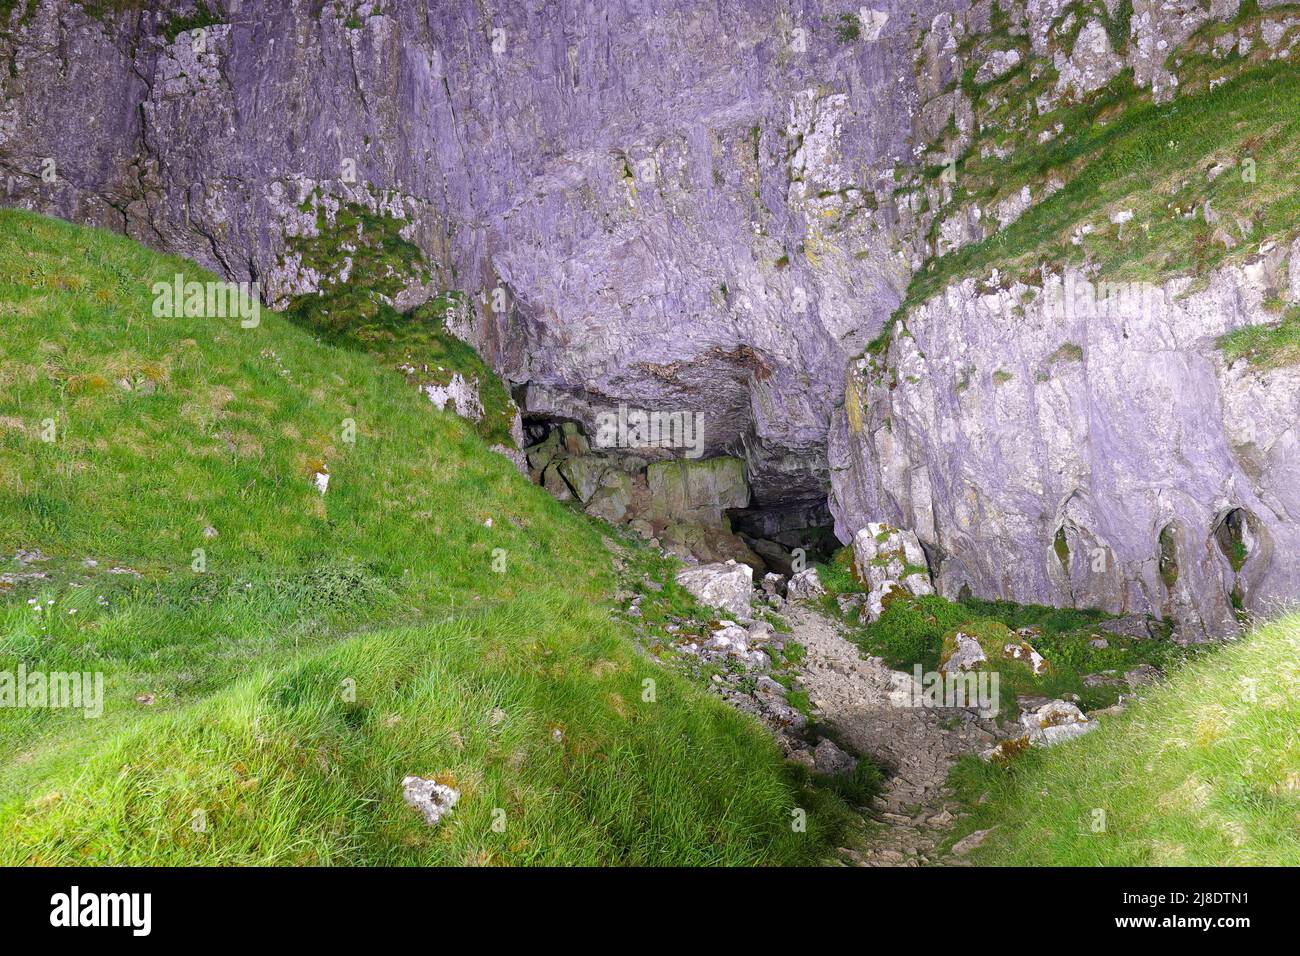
(276, 660)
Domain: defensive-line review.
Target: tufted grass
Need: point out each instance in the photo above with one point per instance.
(265, 709)
(1203, 770)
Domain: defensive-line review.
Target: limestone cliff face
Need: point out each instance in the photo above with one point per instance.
(713, 208)
(1104, 457)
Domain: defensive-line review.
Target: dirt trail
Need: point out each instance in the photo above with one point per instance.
(915, 746)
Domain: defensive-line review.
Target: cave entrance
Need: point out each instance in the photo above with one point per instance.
(700, 508)
(778, 534)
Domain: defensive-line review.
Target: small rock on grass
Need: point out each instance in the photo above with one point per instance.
(830, 759)
(434, 800)
(968, 843)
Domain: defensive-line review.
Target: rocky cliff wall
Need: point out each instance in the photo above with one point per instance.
(715, 208)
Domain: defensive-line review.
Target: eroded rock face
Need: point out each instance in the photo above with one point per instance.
(1073, 459)
(674, 208)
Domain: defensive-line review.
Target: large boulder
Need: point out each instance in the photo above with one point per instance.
(727, 586)
(697, 492)
(583, 474)
(883, 555)
(612, 498)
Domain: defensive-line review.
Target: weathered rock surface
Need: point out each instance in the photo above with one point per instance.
(433, 799)
(728, 587)
(885, 556)
(695, 208)
(804, 586)
(1116, 463)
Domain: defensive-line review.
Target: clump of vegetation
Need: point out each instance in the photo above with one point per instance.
(331, 644)
(359, 312)
(1196, 772)
(1203, 179)
(382, 264)
(848, 28)
(200, 18)
(1265, 346)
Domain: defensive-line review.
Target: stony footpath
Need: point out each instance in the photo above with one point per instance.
(858, 705)
(768, 648)
(859, 697)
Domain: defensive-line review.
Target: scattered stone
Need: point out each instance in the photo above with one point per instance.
(851, 602)
(1024, 652)
(830, 759)
(966, 655)
(210, 532)
(968, 843)
(1141, 676)
(1056, 721)
(804, 586)
(434, 800)
(1131, 625)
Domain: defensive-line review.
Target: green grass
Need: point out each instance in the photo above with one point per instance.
(1266, 346)
(1118, 151)
(521, 687)
(1150, 159)
(913, 631)
(1203, 770)
(360, 314)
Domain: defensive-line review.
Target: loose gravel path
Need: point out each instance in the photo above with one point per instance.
(915, 746)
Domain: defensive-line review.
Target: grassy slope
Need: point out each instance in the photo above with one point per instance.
(1204, 770)
(518, 687)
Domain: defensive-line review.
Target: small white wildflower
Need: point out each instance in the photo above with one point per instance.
(72, 610)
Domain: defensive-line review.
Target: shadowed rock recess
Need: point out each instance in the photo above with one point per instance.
(733, 210)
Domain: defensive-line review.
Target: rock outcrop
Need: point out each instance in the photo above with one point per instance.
(1115, 462)
(729, 586)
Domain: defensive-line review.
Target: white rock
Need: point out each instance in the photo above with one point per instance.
(434, 800)
(727, 587)
(882, 554)
(804, 586)
(968, 655)
(1056, 721)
